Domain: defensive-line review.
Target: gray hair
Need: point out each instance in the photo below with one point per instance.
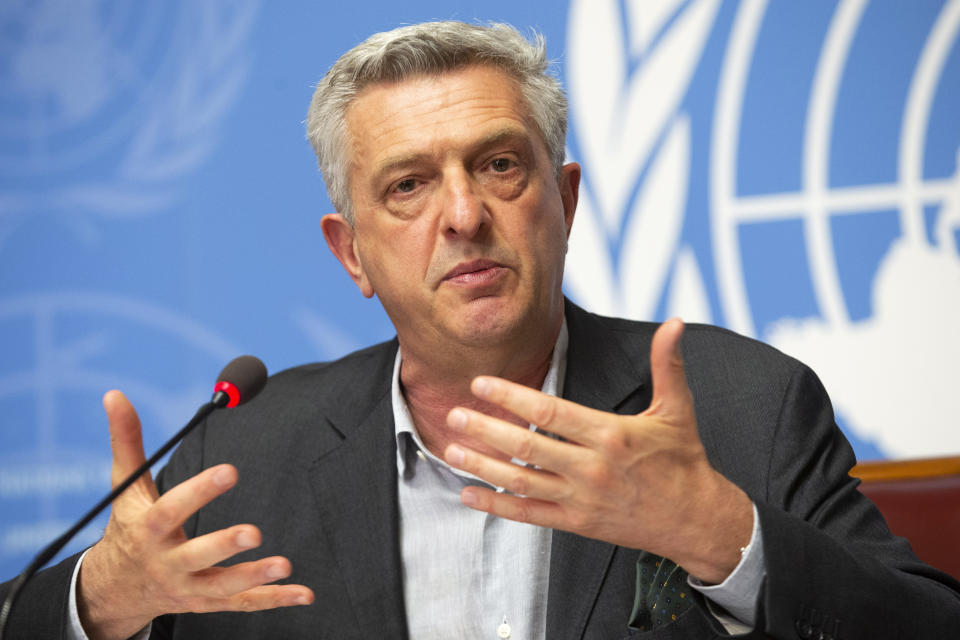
(430, 48)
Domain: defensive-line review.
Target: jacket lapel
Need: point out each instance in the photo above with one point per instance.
(603, 375)
(354, 480)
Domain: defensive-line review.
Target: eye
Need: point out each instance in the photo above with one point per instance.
(502, 165)
(406, 185)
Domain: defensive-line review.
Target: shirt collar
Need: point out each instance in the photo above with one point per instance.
(410, 446)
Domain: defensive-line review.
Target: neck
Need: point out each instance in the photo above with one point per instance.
(436, 384)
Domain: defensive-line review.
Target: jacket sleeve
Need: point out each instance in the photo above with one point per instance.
(832, 565)
(41, 608)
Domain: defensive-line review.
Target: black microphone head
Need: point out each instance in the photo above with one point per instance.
(242, 379)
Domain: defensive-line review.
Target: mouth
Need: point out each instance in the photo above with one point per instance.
(474, 272)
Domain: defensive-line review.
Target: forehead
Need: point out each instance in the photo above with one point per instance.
(425, 111)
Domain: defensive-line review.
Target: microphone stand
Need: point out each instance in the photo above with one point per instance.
(220, 399)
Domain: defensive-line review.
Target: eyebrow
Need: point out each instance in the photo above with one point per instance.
(503, 134)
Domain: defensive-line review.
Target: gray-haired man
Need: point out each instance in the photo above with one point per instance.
(425, 487)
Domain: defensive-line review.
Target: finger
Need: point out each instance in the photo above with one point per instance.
(261, 598)
(126, 439)
(671, 394)
(529, 510)
(224, 582)
(207, 550)
(524, 481)
(517, 442)
(173, 508)
(556, 415)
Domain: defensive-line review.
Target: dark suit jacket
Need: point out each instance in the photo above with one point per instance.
(317, 461)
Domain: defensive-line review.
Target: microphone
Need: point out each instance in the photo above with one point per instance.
(242, 379)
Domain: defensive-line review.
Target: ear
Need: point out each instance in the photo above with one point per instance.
(341, 238)
(569, 191)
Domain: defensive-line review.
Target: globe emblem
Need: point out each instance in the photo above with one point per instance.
(826, 218)
(76, 77)
(888, 313)
(64, 351)
(104, 105)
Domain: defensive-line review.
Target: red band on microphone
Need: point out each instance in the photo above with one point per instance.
(229, 389)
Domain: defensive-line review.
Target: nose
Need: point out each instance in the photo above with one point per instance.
(464, 211)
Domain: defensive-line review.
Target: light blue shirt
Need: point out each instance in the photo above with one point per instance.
(466, 574)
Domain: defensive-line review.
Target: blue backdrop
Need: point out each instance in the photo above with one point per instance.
(788, 170)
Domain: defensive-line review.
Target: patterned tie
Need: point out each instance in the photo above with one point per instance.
(662, 592)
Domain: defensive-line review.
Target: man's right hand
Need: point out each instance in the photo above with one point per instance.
(145, 565)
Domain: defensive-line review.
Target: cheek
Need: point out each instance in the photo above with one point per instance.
(395, 253)
(548, 225)
(547, 241)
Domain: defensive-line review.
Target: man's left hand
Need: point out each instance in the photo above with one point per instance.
(640, 481)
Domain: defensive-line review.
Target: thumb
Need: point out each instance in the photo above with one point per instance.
(671, 395)
(126, 439)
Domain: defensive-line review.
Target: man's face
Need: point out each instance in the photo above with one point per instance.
(460, 223)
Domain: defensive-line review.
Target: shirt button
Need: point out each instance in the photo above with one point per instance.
(503, 631)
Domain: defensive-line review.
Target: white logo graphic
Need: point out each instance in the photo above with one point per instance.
(635, 147)
(105, 105)
(891, 375)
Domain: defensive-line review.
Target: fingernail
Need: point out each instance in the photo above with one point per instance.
(222, 477)
(468, 498)
(457, 419)
(302, 600)
(276, 571)
(246, 540)
(455, 455)
(481, 386)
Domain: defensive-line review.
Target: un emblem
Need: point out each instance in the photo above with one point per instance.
(799, 185)
(104, 106)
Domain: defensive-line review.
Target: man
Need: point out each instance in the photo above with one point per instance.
(690, 491)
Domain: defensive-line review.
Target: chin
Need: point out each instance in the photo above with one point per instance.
(490, 325)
